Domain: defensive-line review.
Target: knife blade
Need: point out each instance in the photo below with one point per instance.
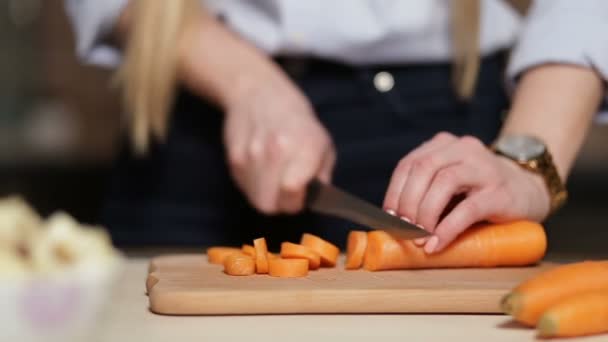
(330, 200)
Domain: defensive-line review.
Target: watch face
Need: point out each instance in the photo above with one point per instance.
(521, 147)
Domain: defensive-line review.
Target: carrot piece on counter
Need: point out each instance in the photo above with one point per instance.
(261, 255)
(288, 268)
(529, 300)
(294, 251)
(216, 255)
(581, 314)
(249, 250)
(239, 264)
(329, 252)
(485, 245)
(355, 249)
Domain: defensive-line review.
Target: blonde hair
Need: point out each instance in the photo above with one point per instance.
(148, 74)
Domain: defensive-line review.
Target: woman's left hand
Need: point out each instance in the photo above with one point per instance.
(494, 189)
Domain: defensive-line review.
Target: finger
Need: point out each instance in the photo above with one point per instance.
(421, 241)
(471, 210)
(264, 171)
(421, 174)
(327, 165)
(298, 173)
(400, 174)
(447, 183)
(237, 137)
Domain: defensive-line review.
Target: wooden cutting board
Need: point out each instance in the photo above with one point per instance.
(189, 285)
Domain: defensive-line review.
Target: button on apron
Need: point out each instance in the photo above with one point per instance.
(384, 81)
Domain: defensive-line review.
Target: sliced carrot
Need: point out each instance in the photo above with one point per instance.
(485, 245)
(216, 255)
(528, 301)
(355, 249)
(294, 251)
(329, 252)
(581, 314)
(288, 268)
(271, 255)
(249, 250)
(261, 255)
(239, 264)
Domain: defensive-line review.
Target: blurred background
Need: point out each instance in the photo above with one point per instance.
(60, 125)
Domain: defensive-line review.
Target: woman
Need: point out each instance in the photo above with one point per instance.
(275, 93)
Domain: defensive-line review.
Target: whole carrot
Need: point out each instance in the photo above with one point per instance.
(485, 245)
(528, 301)
(582, 314)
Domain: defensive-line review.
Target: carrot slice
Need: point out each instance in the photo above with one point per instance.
(485, 245)
(294, 251)
(249, 250)
(328, 251)
(271, 255)
(216, 255)
(355, 249)
(582, 314)
(528, 301)
(239, 264)
(261, 255)
(288, 268)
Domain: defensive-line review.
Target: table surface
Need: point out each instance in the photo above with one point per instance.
(128, 318)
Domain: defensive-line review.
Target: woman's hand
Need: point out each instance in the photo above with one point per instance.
(275, 145)
(273, 140)
(493, 189)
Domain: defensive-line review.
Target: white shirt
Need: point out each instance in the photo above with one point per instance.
(383, 31)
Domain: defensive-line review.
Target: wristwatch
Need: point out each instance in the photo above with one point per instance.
(532, 154)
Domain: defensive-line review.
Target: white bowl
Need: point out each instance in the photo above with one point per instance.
(64, 307)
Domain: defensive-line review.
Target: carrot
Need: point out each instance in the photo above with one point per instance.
(294, 251)
(261, 255)
(271, 255)
(528, 301)
(216, 255)
(288, 268)
(485, 245)
(239, 264)
(328, 251)
(355, 249)
(249, 250)
(581, 314)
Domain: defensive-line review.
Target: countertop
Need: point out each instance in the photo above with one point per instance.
(128, 319)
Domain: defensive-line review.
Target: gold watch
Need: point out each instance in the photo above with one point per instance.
(532, 154)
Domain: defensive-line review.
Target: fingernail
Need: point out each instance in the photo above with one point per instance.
(420, 241)
(391, 212)
(406, 219)
(431, 245)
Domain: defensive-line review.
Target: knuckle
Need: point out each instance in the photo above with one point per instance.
(447, 177)
(443, 136)
(426, 163)
(255, 149)
(470, 208)
(471, 142)
(236, 158)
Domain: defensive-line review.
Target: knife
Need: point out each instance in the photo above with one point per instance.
(330, 200)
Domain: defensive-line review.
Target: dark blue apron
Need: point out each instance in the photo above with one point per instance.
(182, 193)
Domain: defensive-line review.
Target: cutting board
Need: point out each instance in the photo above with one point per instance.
(189, 285)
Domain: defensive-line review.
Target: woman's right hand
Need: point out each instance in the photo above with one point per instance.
(275, 145)
(274, 142)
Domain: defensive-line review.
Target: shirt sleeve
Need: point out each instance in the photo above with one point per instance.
(92, 21)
